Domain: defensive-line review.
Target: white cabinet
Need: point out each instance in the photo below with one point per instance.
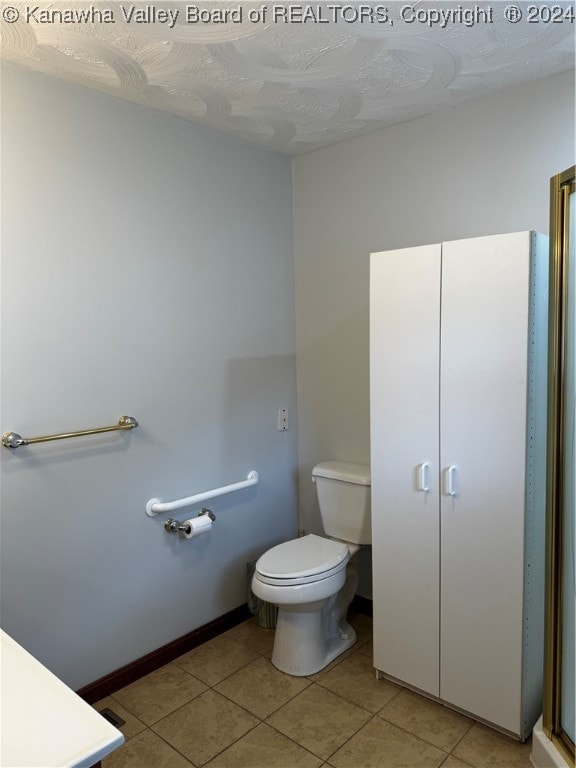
(458, 399)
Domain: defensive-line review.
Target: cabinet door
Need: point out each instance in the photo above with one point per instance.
(404, 401)
(484, 339)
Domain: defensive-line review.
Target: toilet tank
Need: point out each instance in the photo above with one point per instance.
(344, 498)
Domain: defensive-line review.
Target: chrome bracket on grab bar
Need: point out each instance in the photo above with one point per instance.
(175, 526)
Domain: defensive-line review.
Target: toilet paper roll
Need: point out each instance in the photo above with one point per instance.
(197, 526)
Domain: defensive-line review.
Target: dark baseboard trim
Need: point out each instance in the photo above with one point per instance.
(111, 683)
(361, 605)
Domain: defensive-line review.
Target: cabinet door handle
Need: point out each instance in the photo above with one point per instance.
(423, 477)
(450, 480)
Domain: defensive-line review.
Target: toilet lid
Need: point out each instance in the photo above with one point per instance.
(303, 558)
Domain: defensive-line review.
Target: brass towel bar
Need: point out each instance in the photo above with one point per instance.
(14, 440)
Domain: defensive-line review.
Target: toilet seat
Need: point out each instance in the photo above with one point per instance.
(304, 560)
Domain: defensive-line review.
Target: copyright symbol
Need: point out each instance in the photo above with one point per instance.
(10, 14)
(513, 13)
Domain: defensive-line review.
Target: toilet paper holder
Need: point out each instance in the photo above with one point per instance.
(175, 526)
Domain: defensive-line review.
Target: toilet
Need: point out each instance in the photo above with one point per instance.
(312, 580)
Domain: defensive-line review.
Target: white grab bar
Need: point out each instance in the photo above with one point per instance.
(156, 507)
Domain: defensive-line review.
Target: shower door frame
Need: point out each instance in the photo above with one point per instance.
(561, 187)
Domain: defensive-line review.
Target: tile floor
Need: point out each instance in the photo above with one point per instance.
(224, 705)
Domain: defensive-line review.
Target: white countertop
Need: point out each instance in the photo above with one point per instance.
(44, 724)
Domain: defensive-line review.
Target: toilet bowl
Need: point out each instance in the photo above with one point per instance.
(312, 580)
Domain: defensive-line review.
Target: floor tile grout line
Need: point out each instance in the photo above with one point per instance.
(217, 638)
(113, 695)
(247, 711)
(285, 735)
(119, 703)
(228, 746)
(263, 719)
(334, 664)
(350, 737)
(325, 759)
(207, 688)
(351, 701)
(226, 677)
(180, 706)
(172, 746)
(213, 689)
(312, 683)
(464, 762)
(194, 765)
(220, 693)
(419, 736)
(348, 701)
(238, 640)
(460, 740)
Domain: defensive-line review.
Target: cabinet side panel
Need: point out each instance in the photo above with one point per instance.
(535, 533)
(404, 394)
(485, 287)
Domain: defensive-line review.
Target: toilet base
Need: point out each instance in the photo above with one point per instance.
(309, 636)
(300, 647)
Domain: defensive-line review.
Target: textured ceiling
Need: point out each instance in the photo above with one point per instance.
(327, 72)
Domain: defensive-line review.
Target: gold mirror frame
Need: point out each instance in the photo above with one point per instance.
(561, 187)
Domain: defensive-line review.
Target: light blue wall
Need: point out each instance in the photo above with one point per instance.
(147, 270)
